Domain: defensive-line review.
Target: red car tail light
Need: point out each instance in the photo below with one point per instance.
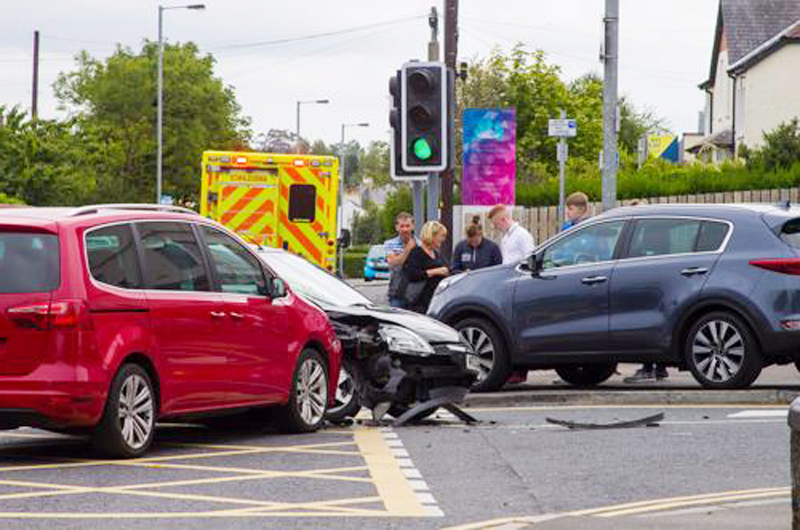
(62, 314)
(781, 265)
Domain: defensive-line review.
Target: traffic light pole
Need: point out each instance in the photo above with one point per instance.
(450, 53)
(433, 179)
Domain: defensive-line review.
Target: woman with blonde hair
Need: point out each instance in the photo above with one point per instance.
(425, 267)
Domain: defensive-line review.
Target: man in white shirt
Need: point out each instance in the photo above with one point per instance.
(517, 243)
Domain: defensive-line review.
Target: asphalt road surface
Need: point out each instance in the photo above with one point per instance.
(514, 464)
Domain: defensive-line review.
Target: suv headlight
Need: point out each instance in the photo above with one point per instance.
(449, 282)
(403, 340)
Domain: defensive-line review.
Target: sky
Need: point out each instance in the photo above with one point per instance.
(665, 50)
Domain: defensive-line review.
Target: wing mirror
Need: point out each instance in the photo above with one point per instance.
(534, 265)
(277, 288)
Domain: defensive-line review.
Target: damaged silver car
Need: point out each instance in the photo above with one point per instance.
(395, 361)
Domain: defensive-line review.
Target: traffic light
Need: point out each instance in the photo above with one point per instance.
(397, 124)
(423, 116)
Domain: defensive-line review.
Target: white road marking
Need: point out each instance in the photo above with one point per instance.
(411, 473)
(781, 413)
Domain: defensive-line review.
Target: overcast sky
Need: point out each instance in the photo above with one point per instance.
(665, 49)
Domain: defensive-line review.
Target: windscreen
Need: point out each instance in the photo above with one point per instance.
(312, 282)
(29, 262)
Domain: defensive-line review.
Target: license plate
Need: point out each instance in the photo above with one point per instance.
(473, 363)
(382, 275)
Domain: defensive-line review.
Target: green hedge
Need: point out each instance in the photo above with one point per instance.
(658, 179)
(354, 263)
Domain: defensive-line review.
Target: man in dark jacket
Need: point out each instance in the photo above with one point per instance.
(475, 252)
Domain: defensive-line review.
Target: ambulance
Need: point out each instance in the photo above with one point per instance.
(275, 200)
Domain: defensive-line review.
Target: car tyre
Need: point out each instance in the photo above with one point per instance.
(495, 364)
(128, 424)
(308, 397)
(347, 402)
(586, 375)
(721, 351)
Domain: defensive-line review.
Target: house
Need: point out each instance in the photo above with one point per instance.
(754, 76)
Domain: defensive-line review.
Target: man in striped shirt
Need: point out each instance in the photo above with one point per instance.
(397, 250)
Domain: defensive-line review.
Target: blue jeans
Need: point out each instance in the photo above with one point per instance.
(397, 302)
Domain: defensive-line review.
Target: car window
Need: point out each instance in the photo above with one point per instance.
(376, 252)
(302, 203)
(237, 270)
(29, 263)
(588, 245)
(172, 258)
(112, 256)
(659, 237)
(712, 234)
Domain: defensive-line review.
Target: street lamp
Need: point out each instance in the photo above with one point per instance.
(312, 101)
(340, 217)
(160, 119)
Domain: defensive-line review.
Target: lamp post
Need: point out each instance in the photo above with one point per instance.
(297, 131)
(160, 118)
(342, 164)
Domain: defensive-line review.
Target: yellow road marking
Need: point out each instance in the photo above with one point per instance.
(392, 485)
(394, 492)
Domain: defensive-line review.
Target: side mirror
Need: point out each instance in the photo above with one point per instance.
(344, 238)
(534, 264)
(277, 288)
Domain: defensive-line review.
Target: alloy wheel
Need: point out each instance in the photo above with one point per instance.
(312, 391)
(484, 347)
(718, 351)
(135, 411)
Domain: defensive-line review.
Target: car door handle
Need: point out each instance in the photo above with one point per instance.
(591, 280)
(236, 316)
(694, 270)
(216, 315)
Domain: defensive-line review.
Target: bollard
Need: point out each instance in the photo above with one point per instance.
(794, 425)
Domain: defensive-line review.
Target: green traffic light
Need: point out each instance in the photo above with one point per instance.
(422, 149)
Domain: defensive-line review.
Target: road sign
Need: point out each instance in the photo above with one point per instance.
(562, 128)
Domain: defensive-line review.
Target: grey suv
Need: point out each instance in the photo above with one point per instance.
(714, 289)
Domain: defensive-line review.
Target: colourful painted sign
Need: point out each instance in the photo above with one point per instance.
(490, 148)
(664, 146)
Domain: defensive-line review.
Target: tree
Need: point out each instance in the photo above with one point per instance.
(117, 99)
(354, 169)
(781, 148)
(376, 163)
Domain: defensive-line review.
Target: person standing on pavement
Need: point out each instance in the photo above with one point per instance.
(397, 250)
(476, 252)
(425, 267)
(517, 243)
(577, 209)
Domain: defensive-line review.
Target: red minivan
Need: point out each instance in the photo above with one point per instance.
(115, 316)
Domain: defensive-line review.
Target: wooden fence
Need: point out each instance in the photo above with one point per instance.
(543, 221)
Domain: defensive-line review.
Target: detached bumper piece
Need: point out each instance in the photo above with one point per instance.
(446, 398)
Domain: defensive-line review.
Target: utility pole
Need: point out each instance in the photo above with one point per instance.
(35, 88)
(450, 54)
(562, 162)
(433, 55)
(611, 61)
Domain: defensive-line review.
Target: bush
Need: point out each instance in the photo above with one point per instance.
(662, 179)
(5, 199)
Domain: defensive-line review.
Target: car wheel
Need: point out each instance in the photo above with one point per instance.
(586, 374)
(721, 352)
(128, 423)
(347, 403)
(494, 364)
(308, 398)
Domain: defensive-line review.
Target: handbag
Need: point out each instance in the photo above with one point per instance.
(411, 291)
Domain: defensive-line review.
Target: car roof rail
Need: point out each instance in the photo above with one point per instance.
(96, 208)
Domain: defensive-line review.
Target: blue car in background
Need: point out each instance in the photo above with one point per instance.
(376, 267)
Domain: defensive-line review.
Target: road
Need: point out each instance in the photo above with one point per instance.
(437, 475)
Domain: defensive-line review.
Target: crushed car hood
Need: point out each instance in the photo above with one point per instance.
(429, 329)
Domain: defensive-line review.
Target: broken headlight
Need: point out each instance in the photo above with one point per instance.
(403, 340)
